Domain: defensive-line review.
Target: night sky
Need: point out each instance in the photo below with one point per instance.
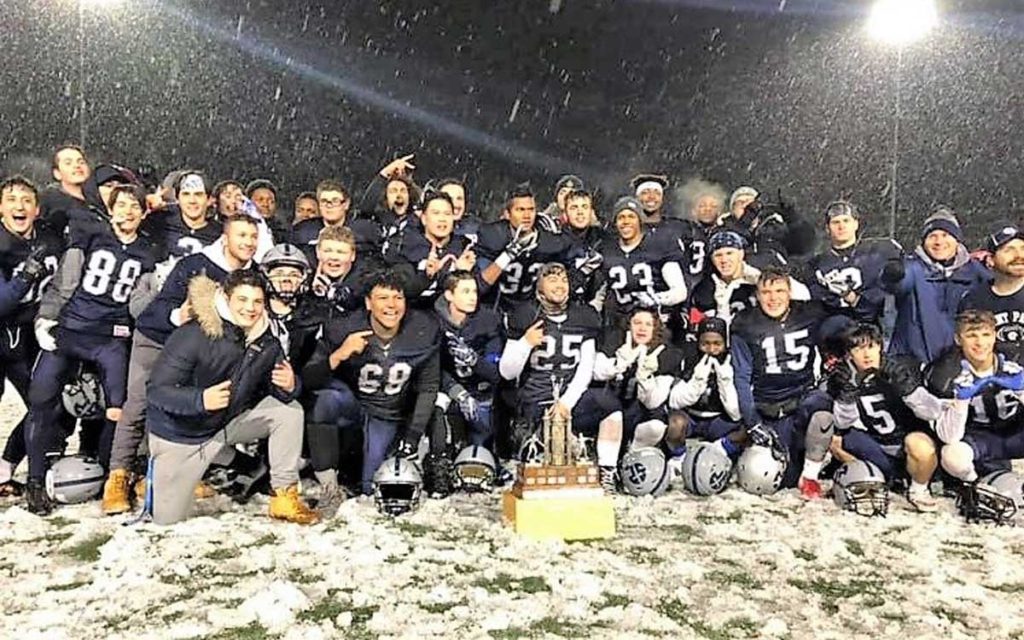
(740, 92)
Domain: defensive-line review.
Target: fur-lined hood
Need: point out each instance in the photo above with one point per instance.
(211, 311)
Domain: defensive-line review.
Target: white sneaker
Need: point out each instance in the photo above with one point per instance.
(922, 500)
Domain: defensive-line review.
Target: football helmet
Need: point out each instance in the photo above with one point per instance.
(860, 486)
(759, 470)
(475, 469)
(397, 486)
(74, 479)
(995, 497)
(644, 472)
(285, 288)
(706, 469)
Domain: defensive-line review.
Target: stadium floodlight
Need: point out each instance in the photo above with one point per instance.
(902, 22)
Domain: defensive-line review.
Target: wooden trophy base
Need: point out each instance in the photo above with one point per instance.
(561, 502)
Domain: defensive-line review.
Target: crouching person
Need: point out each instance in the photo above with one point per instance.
(220, 381)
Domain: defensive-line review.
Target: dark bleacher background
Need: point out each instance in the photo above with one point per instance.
(498, 92)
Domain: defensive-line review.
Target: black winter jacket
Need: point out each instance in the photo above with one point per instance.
(204, 353)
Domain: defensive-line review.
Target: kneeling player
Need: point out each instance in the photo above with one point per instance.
(982, 428)
(551, 350)
(88, 307)
(702, 398)
(882, 413)
(368, 370)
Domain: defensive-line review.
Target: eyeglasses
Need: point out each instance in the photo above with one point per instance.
(333, 202)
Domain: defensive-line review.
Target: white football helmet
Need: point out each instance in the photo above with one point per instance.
(860, 486)
(644, 472)
(397, 486)
(760, 471)
(706, 469)
(74, 479)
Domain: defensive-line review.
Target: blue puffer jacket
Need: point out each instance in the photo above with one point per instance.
(204, 353)
(927, 296)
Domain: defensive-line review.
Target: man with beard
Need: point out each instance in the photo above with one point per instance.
(170, 309)
(29, 257)
(514, 250)
(390, 197)
(369, 369)
(551, 350)
(85, 318)
(1004, 296)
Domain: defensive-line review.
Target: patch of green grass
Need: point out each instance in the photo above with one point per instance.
(301, 576)
(227, 603)
(61, 521)
(326, 609)
(736, 515)
(1009, 587)
(854, 547)
(681, 531)
(644, 555)
(505, 582)
(778, 512)
(512, 633)
(69, 586)
(744, 626)
(831, 591)
(88, 550)
(805, 555)
(223, 553)
(253, 631)
(963, 553)
(741, 579)
(265, 540)
(905, 547)
(612, 600)
(393, 560)
(952, 615)
(559, 628)
(897, 616)
(441, 607)
(413, 529)
(52, 537)
(674, 610)
(116, 623)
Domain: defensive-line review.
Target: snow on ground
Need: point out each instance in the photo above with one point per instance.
(732, 566)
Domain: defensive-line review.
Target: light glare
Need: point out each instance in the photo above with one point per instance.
(902, 22)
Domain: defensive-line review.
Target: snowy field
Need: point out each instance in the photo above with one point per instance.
(733, 566)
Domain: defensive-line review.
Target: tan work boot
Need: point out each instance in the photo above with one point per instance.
(115, 493)
(286, 504)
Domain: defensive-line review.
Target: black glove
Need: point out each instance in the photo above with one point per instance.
(893, 271)
(842, 385)
(33, 269)
(408, 450)
(902, 378)
(763, 436)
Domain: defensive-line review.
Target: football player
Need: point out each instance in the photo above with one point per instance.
(883, 414)
(982, 427)
(433, 250)
(85, 317)
(550, 352)
(335, 207)
(29, 255)
(183, 229)
(776, 361)
(369, 370)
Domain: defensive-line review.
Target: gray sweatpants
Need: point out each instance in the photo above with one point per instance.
(131, 428)
(178, 468)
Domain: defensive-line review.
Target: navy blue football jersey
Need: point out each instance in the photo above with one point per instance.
(386, 377)
(859, 268)
(627, 273)
(99, 305)
(1009, 313)
(482, 332)
(518, 280)
(555, 361)
(13, 251)
(171, 237)
(417, 249)
(367, 233)
(883, 413)
(995, 408)
(775, 361)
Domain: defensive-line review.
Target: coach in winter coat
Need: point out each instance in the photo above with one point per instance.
(219, 381)
(928, 286)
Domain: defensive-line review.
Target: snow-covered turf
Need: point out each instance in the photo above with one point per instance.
(733, 566)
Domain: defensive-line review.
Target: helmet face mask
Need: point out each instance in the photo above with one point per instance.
(982, 501)
(286, 270)
(397, 486)
(475, 469)
(860, 486)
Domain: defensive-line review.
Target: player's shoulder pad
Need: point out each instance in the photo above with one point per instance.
(420, 330)
(584, 316)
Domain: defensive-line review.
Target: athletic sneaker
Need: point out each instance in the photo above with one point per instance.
(922, 500)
